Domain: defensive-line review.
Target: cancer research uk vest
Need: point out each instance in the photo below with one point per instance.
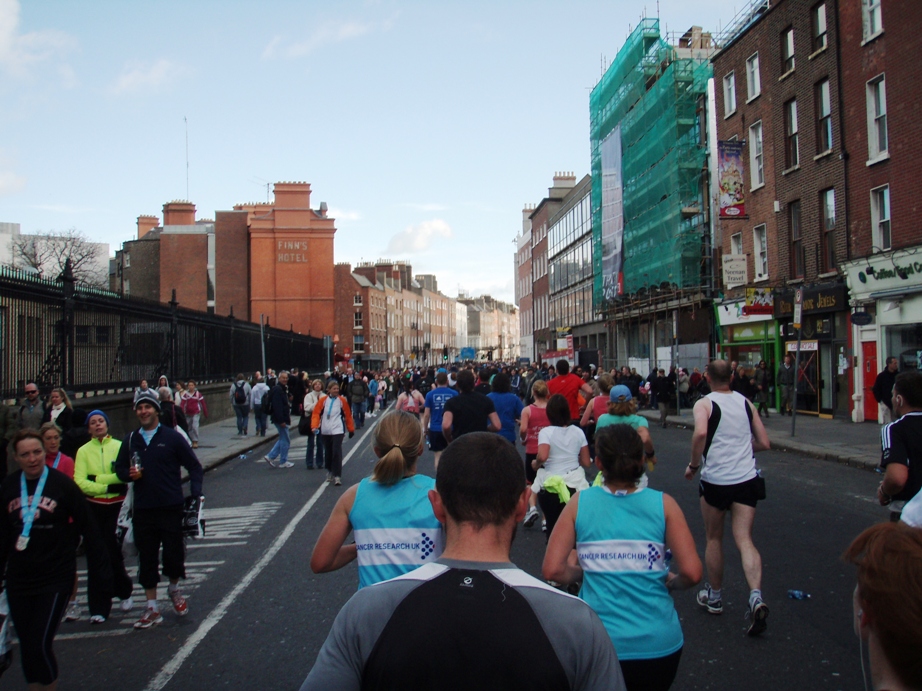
(620, 544)
(394, 528)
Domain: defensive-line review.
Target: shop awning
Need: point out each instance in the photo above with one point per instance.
(895, 293)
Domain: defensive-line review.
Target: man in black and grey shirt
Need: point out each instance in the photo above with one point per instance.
(901, 445)
(471, 619)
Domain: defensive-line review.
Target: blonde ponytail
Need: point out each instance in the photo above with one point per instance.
(397, 440)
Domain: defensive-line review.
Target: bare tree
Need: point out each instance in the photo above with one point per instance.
(46, 255)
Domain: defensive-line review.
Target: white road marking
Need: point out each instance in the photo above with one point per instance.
(164, 676)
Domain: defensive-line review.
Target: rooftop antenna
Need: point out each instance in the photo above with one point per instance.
(186, 121)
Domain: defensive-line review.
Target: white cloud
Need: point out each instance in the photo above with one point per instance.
(344, 215)
(137, 76)
(424, 207)
(418, 238)
(325, 34)
(10, 183)
(19, 52)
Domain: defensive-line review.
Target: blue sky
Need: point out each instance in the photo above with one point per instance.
(425, 126)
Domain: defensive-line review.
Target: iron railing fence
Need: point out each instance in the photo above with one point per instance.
(58, 333)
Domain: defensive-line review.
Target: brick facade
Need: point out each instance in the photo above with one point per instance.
(232, 264)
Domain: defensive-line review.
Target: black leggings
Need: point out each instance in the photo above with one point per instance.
(333, 453)
(656, 674)
(36, 618)
(100, 600)
(551, 507)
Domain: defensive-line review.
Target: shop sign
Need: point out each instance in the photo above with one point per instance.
(731, 174)
(759, 301)
(805, 346)
(862, 318)
(730, 313)
(735, 270)
(816, 300)
(798, 307)
(884, 271)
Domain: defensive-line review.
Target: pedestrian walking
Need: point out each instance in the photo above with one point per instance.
(260, 389)
(152, 457)
(761, 380)
(61, 411)
(331, 419)
(471, 620)
(883, 389)
(727, 433)
(280, 414)
(395, 501)
(358, 394)
(785, 379)
(634, 604)
(94, 473)
(314, 457)
(194, 408)
(240, 398)
(40, 565)
(901, 445)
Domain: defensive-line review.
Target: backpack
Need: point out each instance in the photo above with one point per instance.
(266, 403)
(240, 396)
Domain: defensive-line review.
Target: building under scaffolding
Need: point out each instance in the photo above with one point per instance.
(651, 234)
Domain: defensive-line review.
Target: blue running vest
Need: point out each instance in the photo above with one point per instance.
(394, 528)
(620, 541)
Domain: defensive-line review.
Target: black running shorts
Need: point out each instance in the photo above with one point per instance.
(721, 496)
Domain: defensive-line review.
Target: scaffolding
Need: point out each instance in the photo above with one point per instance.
(654, 94)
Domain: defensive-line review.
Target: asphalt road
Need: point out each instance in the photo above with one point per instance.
(258, 616)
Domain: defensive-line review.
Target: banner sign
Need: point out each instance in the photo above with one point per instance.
(759, 301)
(730, 172)
(735, 270)
(612, 216)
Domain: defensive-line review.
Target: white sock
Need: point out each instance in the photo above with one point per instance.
(172, 587)
(713, 595)
(152, 604)
(754, 595)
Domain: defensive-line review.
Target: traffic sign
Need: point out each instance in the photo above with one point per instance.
(798, 307)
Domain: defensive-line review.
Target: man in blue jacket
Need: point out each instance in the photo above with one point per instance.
(153, 457)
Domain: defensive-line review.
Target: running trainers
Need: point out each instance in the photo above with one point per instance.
(287, 464)
(72, 613)
(337, 481)
(127, 604)
(151, 617)
(757, 615)
(329, 477)
(97, 619)
(704, 599)
(179, 602)
(273, 463)
(531, 517)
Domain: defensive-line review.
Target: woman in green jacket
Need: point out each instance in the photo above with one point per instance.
(95, 475)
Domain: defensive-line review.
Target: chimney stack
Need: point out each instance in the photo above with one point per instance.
(146, 224)
(179, 213)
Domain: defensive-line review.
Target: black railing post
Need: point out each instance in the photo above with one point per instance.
(233, 361)
(67, 325)
(174, 334)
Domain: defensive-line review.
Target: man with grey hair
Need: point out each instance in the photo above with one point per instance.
(170, 415)
(280, 413)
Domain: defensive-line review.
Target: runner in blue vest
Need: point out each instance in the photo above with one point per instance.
(388, 513)
(621, 534)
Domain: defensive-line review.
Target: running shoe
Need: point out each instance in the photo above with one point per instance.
(97, 619)
(127, 604)
(273, 463)
(72, 613)
(531, 517)
(337, 481)
(757, 614)
(329, 477)
(287, 464)
(151, 617)
(704, 599)
(179, 602)
(543, 525)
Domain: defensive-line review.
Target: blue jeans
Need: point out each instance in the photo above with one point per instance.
(280, 450)
(358, 413)
(260, 418)
(243, 417)
(313, 440)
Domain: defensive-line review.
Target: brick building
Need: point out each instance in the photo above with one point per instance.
(778, 90)
(524, 283)
(360, 334)
(881, 72)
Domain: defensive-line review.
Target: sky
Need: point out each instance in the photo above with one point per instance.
(425, 126)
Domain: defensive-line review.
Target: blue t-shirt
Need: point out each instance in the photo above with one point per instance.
(435, 402)
(373, 387)
(509, 408)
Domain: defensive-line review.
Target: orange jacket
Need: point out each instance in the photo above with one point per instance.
(318, 411)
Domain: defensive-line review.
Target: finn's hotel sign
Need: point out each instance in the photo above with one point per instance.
(292, 252)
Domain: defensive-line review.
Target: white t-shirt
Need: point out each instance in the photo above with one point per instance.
(565, 443)
(912, 511)
(331, 417)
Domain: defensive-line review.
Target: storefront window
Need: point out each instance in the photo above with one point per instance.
(905, 343)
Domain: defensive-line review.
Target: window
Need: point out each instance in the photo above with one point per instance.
(760, 249)
(357, 321)
(818, 20)
(357, 300)
(797, 245)
(791, 149)
(871, 17)
(127, 259)
(880, 216)
(756, 156)
(729, 94)
(828, 227)
(823, 117)
(877, 118)
(358, 344)
(753, 79)
(787, 50)
(736, 243)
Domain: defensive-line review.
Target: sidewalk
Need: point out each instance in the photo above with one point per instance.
(851, 443)
(218, 442)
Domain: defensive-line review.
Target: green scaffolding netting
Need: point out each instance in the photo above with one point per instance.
(651, 99)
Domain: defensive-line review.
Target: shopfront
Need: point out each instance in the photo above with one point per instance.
(886, 299)
(825, 356)
(747, 338)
